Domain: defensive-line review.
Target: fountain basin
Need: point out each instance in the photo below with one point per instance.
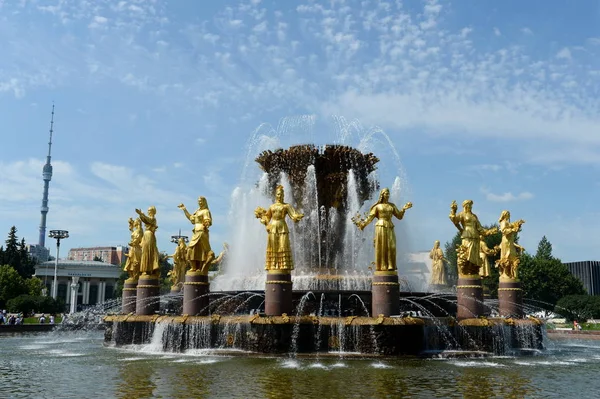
(388, 336)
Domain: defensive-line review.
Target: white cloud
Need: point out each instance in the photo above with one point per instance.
(507, 196)
(564, 53)
(497, 32)
(527, 31)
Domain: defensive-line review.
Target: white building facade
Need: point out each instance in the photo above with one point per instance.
(94, 282)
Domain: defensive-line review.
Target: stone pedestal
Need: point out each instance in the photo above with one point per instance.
(386, 294)
(195, 294)
(510, 299)
(278, 293)
(469, 297)
(129, 296)
(148, 290)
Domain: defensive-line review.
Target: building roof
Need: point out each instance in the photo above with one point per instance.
(75, 263)
(86, 268)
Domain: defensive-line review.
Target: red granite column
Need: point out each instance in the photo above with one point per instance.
(385, 294)
(510, 298)
(278, 293)
(129, 296)
(195, 294)
(469, 297)
(148, 290)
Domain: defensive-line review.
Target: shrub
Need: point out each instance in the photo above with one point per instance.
(578, 307)
(28, 304)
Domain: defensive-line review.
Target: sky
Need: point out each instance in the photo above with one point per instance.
(158, 102)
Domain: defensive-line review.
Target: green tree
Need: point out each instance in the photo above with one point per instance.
(97, 259)
(544, 249)
(165, 267)
(11, 284)
(120, 283)
(16, 255)
(578, 307)
(34, 286)
(545, 279)
(450, 254)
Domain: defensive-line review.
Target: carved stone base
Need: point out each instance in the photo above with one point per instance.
(510, 299)
(386, 294)
(129, 296)
(195, 294)
(469, 297)
(278, 294)
(148, 290)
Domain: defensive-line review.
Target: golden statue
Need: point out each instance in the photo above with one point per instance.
(180, 263)
(467, 253)
(279, 252)
(438, 273)
(199, 252)
(149, 259)
(484, 252)
(134, 256)
(385, 237)
(509, 249)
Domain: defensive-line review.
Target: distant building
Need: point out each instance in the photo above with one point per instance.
(588, 272)
(112, 255)
(96, 283)
(40, 253)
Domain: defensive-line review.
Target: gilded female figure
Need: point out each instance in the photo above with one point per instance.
(438, 273)
(279, 252)
(134, 256)
(484, 252)
(149, 258)
(199, 252)
(385, 237)
(467, 223)
(177, 275)
(509, 249)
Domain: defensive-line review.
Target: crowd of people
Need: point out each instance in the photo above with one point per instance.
(17, 319)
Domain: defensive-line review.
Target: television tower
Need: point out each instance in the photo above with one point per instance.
(47, 175)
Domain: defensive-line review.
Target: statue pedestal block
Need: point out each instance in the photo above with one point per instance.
(278, 293)
(129, 296)
(195, 294)
(469, 297)
(510, 299)
(148, 290)
(386, 294)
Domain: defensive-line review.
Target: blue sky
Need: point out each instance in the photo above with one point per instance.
(158, 102)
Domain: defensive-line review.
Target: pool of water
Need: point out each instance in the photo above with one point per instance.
(78, 365)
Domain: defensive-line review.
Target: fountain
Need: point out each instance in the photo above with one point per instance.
(325, 300)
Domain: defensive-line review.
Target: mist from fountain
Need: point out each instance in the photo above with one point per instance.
(329, 250)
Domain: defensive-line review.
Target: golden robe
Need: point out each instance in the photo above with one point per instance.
(134, 257)
(470, 237)
(279, 252)
(149, 259)
(385, 236)
(438, 274)
(199, 247)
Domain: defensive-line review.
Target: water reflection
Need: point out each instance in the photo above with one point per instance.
(57, 366)
(136, 379)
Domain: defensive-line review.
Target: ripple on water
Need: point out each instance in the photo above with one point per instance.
(290, 364)
(380, 365)
(473, 363)
(544, 363)
(207, 361)
(131, 359)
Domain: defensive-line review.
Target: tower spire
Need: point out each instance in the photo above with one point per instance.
(47, 176)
